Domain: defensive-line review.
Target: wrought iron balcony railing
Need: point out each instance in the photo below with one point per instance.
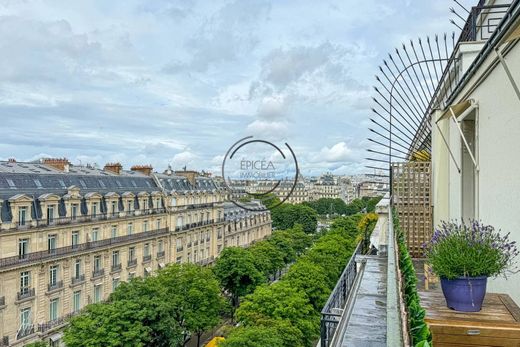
(98, 273)
(132, 262)
(68, 250)
(147, 258)
(160, 254)
(55, 285)
(25, 331)
(25, 293)
(78, 279)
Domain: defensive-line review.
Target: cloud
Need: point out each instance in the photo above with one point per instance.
(339, 152)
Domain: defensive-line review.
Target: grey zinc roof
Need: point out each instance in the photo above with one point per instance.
(37, 179)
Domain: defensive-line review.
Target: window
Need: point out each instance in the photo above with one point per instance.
(23, 248)
(129, 206)
(115, 283)
(179, 244)
(158, 203)
(97, 293)
(53, 275)
(74, 211)
(145, 226)
(174, 201)
(97, 263)
(76, 301)
(114, 208)
(131, 275)
(53, 309)
(179, 260)
(146, 249)
(22, 215)
(51, 243)
(113, 231)
(115, 258)
(25, 317)
(145, 204)
(131, 253)
(77, 269)
(25, 279)
(158, 224)
(94, 209)
(50, 213)
(179, 221)
(129, 229)
(75, 239)
(95, 234)
(160, 246)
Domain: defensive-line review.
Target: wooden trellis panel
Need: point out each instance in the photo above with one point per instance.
(411, 185)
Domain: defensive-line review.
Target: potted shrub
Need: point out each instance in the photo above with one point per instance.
(464, 256)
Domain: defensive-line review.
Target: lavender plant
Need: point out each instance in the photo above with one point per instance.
(470, 250)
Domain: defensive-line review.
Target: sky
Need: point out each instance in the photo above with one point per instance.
(178, 82)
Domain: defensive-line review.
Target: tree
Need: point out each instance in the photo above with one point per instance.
(280, 301)
(158, 306)
(259, 336)
(282, 240)
(268, 258)
(112, 324)
(201, 304)
(309, 278)
(287, 216)
(235, 268)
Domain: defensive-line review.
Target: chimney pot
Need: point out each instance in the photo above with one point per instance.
(61, 164)
(113, 167)
(144, 169)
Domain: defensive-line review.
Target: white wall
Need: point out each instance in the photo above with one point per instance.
(498, 142)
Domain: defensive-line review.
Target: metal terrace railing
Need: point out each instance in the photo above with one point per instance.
(482, 22)
(333, 309)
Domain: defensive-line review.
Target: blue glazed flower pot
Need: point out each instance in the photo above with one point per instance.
(464, 294)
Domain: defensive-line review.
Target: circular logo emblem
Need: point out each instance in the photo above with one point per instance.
(255, 168)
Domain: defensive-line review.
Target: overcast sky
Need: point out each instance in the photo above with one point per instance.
(178, 82)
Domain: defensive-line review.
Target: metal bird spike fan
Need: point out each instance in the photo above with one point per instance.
(405, 94)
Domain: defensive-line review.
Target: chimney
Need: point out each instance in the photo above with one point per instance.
(113, 167)
(144, 169)
(11, 160)
(190, 175)
(61, 164)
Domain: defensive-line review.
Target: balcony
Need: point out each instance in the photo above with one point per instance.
(147, 258)
(132, 262)
(41, 256)
(25, 293)
(78, 279)
(25, 331)
(482, 22)
(43, 327)
(98, 273)
(116, 268)
(160, 254)
(57, 221)
(54, 286)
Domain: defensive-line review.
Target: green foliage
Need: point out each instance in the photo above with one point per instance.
(235, 268)
(310, 279)
(419, 332)
(469, 250)
(109, 324)
(259, 336)
(160, 311)
(328, 206)
(286, 216)
(280, 301)
(37, 344)
(290, 308)
(267, 257)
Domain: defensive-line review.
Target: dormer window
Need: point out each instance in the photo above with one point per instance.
(114, 208)
(129, 205)
(145, 204)
(74, 211)
(94, 209)
(50, 213)
(22, 215)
